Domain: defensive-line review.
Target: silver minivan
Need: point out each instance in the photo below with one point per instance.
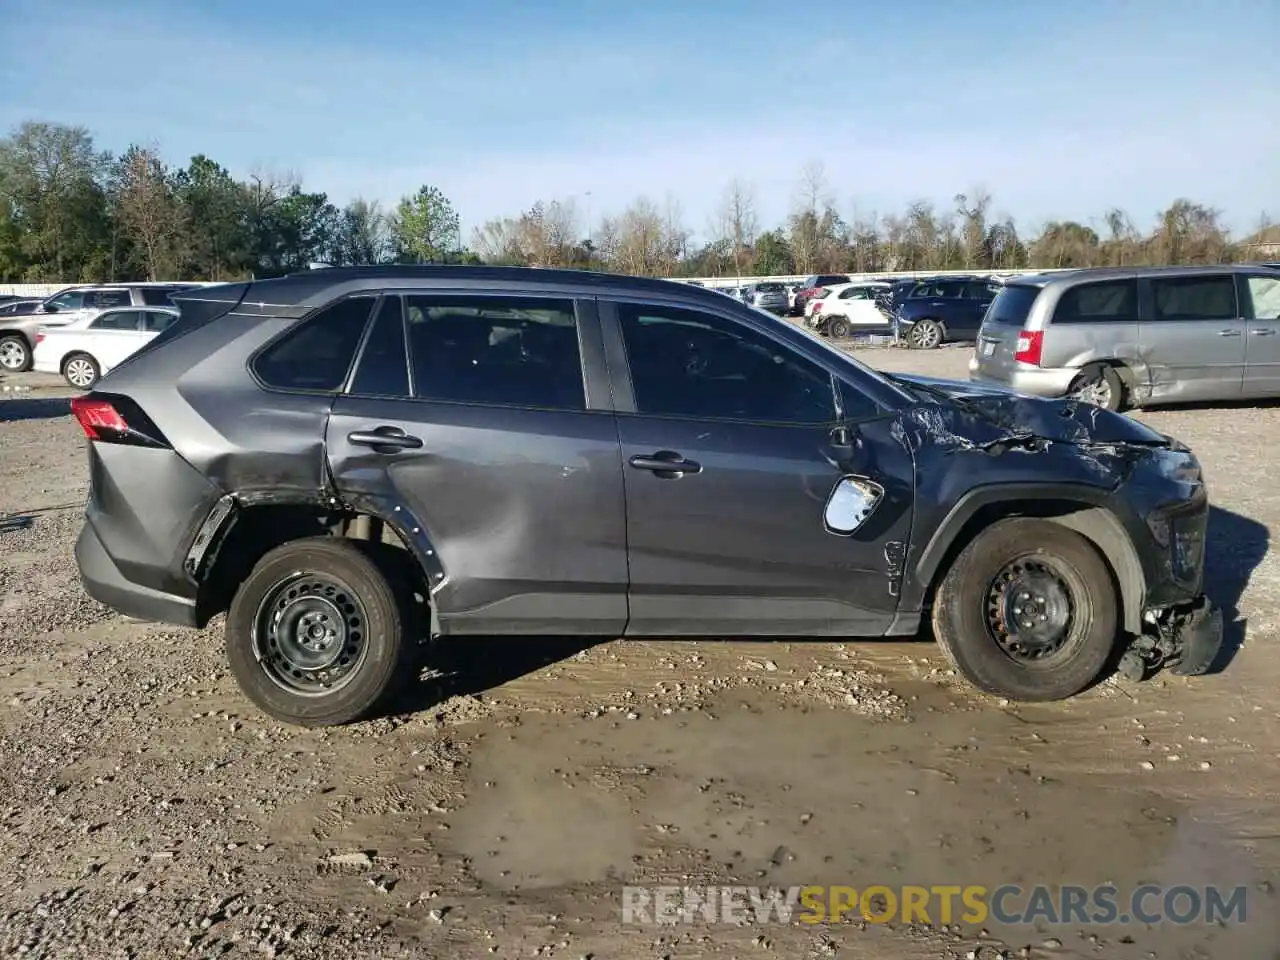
(1135, 337)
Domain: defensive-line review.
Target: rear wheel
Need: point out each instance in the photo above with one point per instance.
(1099, 385)
(15, 355)
(316, 635)
(1027, 611)
(81, 371)
(925, 335)
(838, 328)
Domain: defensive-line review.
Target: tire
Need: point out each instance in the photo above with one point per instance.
(925, 335)
(967, 633)
(838, 328)
(81, 371)
(1100, 385)
(15, 355)
(324, 578)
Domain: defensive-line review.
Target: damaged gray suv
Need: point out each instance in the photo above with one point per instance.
(348, 461)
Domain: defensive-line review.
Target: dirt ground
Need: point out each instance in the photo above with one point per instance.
(146, 810)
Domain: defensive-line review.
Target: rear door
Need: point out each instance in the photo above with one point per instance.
(114, 335)
(967, 312)
(1260, 300)
(487, 420)
(727, 444)
(1192, 337)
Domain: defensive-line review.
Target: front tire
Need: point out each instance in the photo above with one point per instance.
(15, 355)
(317, 633)
(838, 328)
(1027, 611)
(925, 335)
(81, 371)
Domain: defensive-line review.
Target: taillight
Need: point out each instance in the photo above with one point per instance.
(1030, 343)
(112, 419)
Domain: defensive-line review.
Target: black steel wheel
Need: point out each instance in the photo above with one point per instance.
(1028, 610)
(838, 328)
(317, 633)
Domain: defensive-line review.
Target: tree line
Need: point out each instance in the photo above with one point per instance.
(70, 212)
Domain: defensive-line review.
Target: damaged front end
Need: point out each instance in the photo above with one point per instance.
(1185, 638)
(1150, 483)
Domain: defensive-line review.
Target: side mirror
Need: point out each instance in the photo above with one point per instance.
(852, 501)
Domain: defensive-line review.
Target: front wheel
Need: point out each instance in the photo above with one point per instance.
(81, 371)
(316, 635)
(1027, 611)
(838, 328)
(925, 335)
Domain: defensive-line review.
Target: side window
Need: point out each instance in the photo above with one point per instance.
(1194, 298)
(317, 353)
(383, 370)
(1265, 294)
(685, 363)
(506, 351)
(154, 321)
(157, 296)
(1096, 302)
(978, 290)
(71, 300)
(116, 320)
(105, 299)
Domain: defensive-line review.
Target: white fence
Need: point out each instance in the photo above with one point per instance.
(48, 289)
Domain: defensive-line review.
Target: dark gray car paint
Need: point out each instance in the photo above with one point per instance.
(525, 521)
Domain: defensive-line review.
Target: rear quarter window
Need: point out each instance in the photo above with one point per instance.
(1012, 306)
(1098, 302)
(316, 354)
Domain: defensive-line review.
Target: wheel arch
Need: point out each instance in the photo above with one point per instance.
(239, 530)
(1080, 508)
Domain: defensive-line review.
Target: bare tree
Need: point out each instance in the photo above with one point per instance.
(972, 208)
(736, 221)
(149, 211)
(813, 196)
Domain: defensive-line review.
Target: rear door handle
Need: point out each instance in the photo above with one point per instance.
(666, 464)
(384, 439)
(1228, 333)
(1263, 332)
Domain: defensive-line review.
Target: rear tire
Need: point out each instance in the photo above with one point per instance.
(838, 328)
(1040, 570)
(81, 371)
(1100, 385)
(925, 335)
(15, 355)
(317, 633)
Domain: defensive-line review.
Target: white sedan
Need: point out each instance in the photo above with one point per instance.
(846, 307)
(85, 349)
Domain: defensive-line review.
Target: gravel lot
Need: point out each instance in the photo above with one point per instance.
(147, 811)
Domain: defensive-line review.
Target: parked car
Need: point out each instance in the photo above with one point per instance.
(771, 297)
(847, 308)
(18, 331)
(84, 350)
(18, 305)
(366, 456)
(937, 311)
(811, 287)
(1136, 337)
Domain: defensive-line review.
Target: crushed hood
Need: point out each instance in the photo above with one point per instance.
(986, 415)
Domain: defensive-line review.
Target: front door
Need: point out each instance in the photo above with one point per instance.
(1192, 337)
(729, 458)
(506, 463)
(1260, 297)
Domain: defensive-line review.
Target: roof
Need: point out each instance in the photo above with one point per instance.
(1069, 277)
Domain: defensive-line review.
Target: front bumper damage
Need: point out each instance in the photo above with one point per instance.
(1184, 638)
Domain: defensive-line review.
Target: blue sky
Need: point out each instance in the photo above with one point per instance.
(1060, 110)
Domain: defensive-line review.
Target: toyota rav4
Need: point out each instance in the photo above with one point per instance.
(348, 461)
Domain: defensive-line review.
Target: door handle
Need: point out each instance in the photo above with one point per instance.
(1228, 333)
(385, 439)
(666, 464)
(1263, 332)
